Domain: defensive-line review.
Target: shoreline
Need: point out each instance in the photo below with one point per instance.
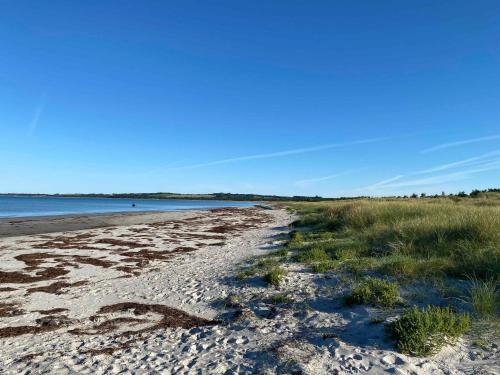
(31, 225)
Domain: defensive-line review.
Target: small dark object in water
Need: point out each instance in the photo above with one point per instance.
(133, 204)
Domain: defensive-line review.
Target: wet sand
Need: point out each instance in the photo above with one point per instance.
(20, 226)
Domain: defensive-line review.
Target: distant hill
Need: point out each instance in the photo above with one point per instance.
(214, 196)
(249, 197)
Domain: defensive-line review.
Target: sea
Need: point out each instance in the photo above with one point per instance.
(25, 206)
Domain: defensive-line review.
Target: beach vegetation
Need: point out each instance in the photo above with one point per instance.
(375, 292)
(429, 236)
(279, 299)
(483, 297)
(274, 276)
(423, 332)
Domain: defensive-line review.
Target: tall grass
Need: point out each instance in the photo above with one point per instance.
(456, 238)
(483, 298)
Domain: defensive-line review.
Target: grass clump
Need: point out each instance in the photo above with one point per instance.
(374, 292)
(279, 299)
(312, 255)
(274, 276)
(246, 273)
(358, 266)
(283, 252)
(325, 266)
(424, 332)
(483, 297)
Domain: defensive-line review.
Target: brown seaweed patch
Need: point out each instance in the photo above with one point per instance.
(171, 317)
(45, 324)
(115, 242)
(10, 309)
(51, 311)
(7, 289)
(78, 241)
(98, 262)
(57, 287)
(108, 326)
(15, 277)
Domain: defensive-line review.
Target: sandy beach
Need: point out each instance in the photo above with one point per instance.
(158, 294)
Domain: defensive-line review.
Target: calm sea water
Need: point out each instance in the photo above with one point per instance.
(13, 206)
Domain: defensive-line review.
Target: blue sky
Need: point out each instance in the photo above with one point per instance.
(335, 98)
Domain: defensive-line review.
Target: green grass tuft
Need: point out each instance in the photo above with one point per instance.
(374, 292)
(424, 332)
(312, 255)
(483, 297)
(274, 276)
(279, 299)
(325, 266)
(246, 273)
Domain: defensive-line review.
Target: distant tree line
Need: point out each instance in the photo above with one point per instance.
(250, 197)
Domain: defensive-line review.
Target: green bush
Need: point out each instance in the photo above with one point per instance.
(374, 292)
(424, 332)
(274, 276)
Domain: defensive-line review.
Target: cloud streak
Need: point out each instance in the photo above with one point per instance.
(450, 177)
(278, 154)
(460, 143)
(486, 162)
(310, 181)
(37, 114)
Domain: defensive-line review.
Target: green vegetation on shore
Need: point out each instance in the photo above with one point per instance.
(379, 248)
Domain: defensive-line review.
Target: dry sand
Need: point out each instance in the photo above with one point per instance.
(158, 295)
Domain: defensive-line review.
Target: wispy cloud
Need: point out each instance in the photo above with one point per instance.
(461, 163)
(450, 177)
(486, 162)
(311, 181)
(460, 143)
(33, 125)
(279, 153)
(382, 183)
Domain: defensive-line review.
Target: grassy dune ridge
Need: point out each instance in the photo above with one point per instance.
(384, 246)
(432, 264)
(410, 237)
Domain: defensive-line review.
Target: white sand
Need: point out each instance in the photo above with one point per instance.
(313, 335)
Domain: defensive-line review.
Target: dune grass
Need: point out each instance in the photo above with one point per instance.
(374, 292)
(274, 276)
(409, 238)
(483, 298)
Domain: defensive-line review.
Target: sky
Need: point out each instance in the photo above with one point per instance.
(330, 98)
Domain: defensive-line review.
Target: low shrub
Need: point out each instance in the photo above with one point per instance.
(374, 292)
(274, 276)
(424, 332)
